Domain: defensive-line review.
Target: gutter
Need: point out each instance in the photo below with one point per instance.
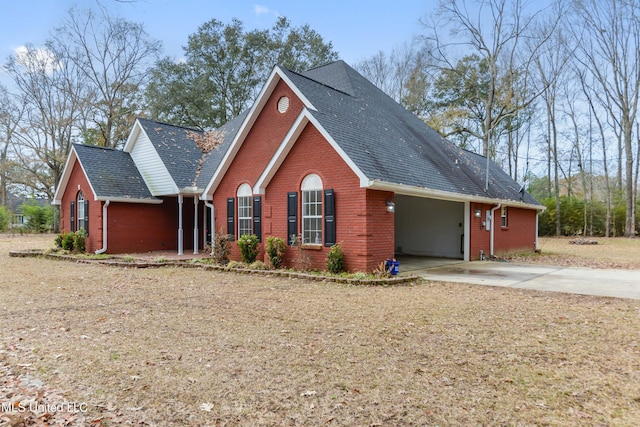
(213, 227)
(493, 228)
(104, 228)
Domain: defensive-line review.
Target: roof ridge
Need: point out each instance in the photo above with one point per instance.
(317, 81)
(95, 146)
(170, 124)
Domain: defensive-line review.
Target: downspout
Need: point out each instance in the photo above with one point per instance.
(104, 228)
(213, 227)
(493, 228)
(536, 242)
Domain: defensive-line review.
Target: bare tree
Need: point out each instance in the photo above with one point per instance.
(498, 32)
(114, 56)
(53, 92)
(402, 75)
(10, 115)
(609, 49)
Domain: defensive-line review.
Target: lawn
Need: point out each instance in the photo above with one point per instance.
(175, 346)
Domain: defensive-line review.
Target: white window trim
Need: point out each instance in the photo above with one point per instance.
(312, 183)
(80, 213)
(245, 210)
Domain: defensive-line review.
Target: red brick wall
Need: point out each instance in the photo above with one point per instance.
(136, 227)
(78, 182)
(360, 214)
(257, 149)
(380, 234)
(132, 227)
(312, 154)
(519, 235)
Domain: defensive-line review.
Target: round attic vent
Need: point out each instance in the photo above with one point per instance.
(283, 104)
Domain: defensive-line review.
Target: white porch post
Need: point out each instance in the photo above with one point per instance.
(195, 225)
(180, 243)
(467, 230)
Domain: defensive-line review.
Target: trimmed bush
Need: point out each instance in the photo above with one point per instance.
(275, 251)
(221, 248)
(335, 259)
(80, 241)
(67, 241)
(248, 244)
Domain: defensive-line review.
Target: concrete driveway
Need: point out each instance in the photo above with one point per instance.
(585, 281)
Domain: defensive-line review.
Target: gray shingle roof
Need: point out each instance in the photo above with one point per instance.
(112, 173)
(184, 160)
(177, 149)
(390, 144)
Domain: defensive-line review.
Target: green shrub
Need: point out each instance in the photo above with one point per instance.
(67, 241)
(80, 241)
(335, 259)
(275, 251)
(58, 241)
(221, 249)
(5, 218)
(39, 218)
(248, 244)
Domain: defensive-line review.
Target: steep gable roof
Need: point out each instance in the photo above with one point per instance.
(112, 175)
(393, 147)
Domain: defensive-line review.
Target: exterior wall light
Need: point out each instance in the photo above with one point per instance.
(477, 213)
(391, 207)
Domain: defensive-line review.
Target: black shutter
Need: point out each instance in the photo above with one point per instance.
(72, 216)
(257, 217)
(329, 218)
(86, 217)
(292, 216)
(231, 218)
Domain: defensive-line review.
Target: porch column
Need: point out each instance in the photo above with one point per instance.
(467, 231)
(180, 224)
(195, 225)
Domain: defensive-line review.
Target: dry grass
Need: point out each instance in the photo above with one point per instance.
(187, 347)
(608, 253)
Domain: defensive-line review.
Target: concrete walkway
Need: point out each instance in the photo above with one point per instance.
(585, 281)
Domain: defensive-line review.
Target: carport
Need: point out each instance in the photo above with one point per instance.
(434, 228)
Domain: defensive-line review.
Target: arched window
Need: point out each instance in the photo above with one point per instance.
(245, 214)
(312, 210)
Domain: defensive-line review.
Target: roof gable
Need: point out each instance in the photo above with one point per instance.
(393, 146)
(111, 174)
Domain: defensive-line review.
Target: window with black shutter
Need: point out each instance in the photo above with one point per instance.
(292, 216)
(257, 217)
(329, 218)
(231, 218)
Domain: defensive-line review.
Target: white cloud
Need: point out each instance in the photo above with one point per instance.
(259, 9)
(36, 57)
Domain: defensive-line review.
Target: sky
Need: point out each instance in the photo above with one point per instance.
(357, 29)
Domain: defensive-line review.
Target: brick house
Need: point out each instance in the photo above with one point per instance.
(323, 155)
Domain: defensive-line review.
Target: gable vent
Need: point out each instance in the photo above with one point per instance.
(283, 104)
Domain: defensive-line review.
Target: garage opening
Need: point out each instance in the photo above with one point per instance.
(429, 227)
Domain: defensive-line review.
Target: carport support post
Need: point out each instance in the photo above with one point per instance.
(180, 224)
(195, 225)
